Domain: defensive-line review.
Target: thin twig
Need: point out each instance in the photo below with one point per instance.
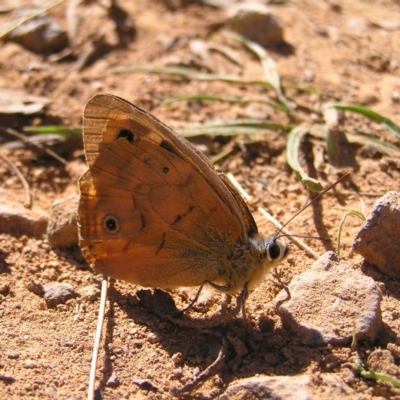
(27, 141)
(96, 345)
(210, 371)
(14, 168)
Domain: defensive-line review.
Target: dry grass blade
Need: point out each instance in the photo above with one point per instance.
(352, 138)
(27, 141)
(341, 224)
(14, 168)
(292, 155)
(270, 218)
(268, 65)
(207, 97)
(243, 127)
(191, 74)
(26, 17)
(294, 239)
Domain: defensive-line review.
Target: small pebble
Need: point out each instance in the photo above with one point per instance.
(112, 380)
(29, 364)
(177, 358)
(178, 373)
(35, 287)
(58, 293)
(153, 338)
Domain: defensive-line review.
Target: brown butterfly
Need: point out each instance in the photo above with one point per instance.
(154, 212)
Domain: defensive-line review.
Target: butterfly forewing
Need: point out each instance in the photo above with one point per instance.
(146, 214)
(105, 115)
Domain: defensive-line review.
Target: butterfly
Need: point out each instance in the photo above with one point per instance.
(153, 211)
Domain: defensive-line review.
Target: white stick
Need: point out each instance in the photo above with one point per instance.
(96, 345)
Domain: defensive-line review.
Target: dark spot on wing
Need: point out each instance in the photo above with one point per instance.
(143, 221)
(111, 224)
(180, 216)
(167, 146)
(177, 219)
(127, 134)
(162, 244)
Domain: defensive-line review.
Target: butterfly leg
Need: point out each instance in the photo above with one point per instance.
(194, 300)
(221, 288)
(244, 295)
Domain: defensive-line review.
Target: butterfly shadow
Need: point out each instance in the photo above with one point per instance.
(220, 336)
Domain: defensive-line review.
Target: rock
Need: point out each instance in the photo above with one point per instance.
(90, 293)
(35, 287)
(326, 386)
(145, 384)
(62, 230)
(112, 380)
(329, 301)
(57, 293)
(153, 338)
(39, 35)
(257, 23)
(177, 358)
(378, 240)
(29, 364)
(17, 220)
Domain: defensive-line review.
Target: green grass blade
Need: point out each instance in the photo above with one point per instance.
(368, 113)
(191, 74)
(207, 97)
(292, 154)
(375, 375)
(62, 130)
(268, 65)
(245, 127)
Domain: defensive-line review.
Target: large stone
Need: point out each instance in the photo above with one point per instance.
(257, 23)
(62, 230)
(17, 220)
(58, 293)
(378, 240)
(327, 386)
(331, 301)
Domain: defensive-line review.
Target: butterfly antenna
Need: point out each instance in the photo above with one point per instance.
(312, 201)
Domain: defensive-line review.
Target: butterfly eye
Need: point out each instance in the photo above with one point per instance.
(274, 251)
(111, 224)
(127, 134)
